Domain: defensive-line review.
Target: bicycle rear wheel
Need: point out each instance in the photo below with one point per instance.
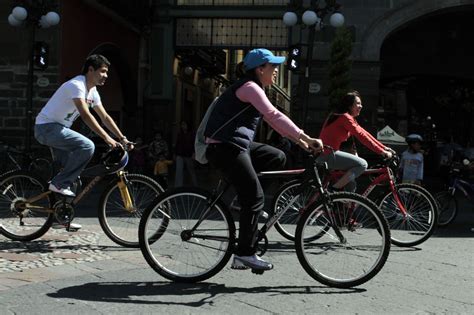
(286, 224)
(182, 254)
(119, 223)
(17, 221)
(355, 247)
(447, 207)
(421, 219)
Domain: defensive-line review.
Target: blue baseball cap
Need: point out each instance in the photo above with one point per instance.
(261, 56)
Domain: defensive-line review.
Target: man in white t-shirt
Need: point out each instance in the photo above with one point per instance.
(73, 99)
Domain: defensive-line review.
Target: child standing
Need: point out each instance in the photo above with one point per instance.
(161, 171)
(411, 164)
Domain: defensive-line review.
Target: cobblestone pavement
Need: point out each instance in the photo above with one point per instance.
(57, 247)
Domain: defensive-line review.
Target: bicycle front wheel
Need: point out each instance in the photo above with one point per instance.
(197, 240)
(19, 220)
(421, 217)
(447, 207)
(352, 250)
(118, 222)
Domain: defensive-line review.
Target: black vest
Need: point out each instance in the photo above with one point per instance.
(233, 121)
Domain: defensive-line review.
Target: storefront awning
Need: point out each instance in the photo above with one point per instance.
(388, 136)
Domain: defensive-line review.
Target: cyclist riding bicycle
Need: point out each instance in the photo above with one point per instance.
(337, 128)
(75, 98)
(230, 132)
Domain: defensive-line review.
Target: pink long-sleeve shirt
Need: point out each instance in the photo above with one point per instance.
(251, 93)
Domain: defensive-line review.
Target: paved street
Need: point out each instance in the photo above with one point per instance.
(84, 272)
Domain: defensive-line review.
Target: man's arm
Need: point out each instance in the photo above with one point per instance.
(110, 123)
(92, 123)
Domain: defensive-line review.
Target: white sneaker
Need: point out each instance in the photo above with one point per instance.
(63, 191)
(73, 227)
(254, 262)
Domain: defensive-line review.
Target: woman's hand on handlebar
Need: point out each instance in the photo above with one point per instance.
(388, 154)
(310, 144)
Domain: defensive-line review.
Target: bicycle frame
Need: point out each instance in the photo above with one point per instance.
(464, 186)
(126, 198)
(385, 175)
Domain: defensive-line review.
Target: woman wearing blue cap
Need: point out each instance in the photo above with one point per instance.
(230, 132)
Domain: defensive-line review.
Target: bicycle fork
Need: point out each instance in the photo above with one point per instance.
(125, 193)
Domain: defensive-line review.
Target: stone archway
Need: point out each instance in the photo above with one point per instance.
(377, 31)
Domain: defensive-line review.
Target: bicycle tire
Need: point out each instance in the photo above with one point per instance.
(447, 207)
(363, 251)
(172, 256)
(118, 223)
(419, 225)
(28, 224)
(286, 224)
(41, 167)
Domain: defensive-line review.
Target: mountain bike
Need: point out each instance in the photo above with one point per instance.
(13, 159)
(448, 199)
(28, 208)
(410, 210)
(342, 239)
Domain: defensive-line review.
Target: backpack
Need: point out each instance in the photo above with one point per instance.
(200, 145)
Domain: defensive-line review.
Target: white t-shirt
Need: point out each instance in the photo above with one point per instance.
(61, 109)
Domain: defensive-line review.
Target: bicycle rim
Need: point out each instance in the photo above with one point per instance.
(119, 223)
(418, 224)
(22, 224)
(350, 261)
(447, 206)
(176, 257)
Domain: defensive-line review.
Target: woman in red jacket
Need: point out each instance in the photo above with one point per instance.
(337, 128)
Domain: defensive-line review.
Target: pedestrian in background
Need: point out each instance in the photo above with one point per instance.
(157, 149)
(184, 150)
(161, 171)
(412, 161)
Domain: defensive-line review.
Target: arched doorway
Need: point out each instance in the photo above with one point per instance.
(426, 75)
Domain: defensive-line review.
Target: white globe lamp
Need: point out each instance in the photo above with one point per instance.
(52, 18)
(336, 19)
(12, 21)
(19, 13)
(290, 18)
(309, 17)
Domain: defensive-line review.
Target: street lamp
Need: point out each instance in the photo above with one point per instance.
(312, 17)
(33, 14)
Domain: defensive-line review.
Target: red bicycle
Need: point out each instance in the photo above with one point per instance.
(410, 210)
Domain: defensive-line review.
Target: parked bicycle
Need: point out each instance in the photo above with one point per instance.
(448, 199)
(342, 239)
(13, 159)
(411, 210)
(28, 208)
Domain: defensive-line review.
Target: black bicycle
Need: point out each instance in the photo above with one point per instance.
(189, 235)
(28, 208)
(13, 159)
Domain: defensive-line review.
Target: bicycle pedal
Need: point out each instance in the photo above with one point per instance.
(239, 267)
(258, 271)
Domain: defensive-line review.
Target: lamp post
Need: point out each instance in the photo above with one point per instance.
(312, 17)
(32, 14)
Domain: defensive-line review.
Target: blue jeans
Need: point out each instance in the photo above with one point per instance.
(182, 161)
(70, 148)
(344, 161)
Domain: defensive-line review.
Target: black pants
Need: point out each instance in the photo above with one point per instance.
(240, 168)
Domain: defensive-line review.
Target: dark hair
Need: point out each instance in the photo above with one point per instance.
(240, 73)
(95, 61)
(343, 107)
